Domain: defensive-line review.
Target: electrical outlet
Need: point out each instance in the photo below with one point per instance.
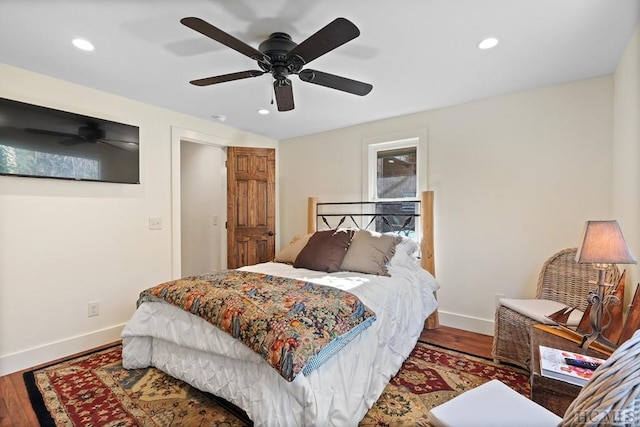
(93, 309)
(155, 223)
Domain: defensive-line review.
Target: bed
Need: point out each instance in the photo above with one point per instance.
(339, 389)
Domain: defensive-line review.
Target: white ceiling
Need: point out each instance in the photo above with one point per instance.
(417, 54)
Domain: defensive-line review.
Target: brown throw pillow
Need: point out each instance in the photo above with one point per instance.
(324, 251)
(370, 252)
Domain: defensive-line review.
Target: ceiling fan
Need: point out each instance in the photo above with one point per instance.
(89, 133)
(281, 56)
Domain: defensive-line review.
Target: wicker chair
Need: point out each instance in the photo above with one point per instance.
(561, 279)
(610, 398)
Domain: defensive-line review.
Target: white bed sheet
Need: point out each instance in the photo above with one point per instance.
(339, 392)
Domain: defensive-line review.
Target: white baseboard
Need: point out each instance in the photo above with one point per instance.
(468, 323)
(35, 356)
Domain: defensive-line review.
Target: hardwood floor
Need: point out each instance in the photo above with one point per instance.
(459, 340)
(15, 408)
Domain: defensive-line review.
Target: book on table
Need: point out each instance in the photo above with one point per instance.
(553, 365)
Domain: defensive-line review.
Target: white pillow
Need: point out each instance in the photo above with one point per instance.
(407, 253)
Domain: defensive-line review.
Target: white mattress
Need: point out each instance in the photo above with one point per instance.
(339, 392)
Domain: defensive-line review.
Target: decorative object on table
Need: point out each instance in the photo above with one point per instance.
(632, 323)
(602, 244)
(616, 312)
(561, 316)
(554, 365)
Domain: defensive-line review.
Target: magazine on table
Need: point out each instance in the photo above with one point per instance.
(553, 364)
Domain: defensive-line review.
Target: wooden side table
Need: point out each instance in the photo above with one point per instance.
(555, 395)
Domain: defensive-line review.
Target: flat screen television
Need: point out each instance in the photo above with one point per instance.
(43, 142)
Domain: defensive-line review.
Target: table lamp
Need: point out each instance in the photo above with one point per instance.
(602, 244)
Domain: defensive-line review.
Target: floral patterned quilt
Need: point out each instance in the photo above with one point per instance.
(292, 324)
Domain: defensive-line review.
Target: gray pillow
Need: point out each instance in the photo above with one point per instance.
(369, 252)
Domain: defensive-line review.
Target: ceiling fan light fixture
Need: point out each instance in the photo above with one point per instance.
(83, 44)
(263, 111)
(488, 43)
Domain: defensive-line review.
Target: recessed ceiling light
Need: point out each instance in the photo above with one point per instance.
(83, 44)
(263, 111)
(220, 117)
(488, 43)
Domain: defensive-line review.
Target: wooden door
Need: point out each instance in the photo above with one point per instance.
(250, 205)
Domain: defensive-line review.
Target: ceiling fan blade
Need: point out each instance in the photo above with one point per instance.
(51, 133)
(226, 77)
(335, 82)
(119, 141)
(226, 39)
(120, 144)
(114, 143)
(333, 35)
(284, 95)
(72, 141)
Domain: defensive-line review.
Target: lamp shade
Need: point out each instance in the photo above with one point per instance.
(603, 243)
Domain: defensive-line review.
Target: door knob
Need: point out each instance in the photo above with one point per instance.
(270, 233)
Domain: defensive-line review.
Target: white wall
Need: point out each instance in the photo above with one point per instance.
(515, 177)
(65, 243)
(626, 154)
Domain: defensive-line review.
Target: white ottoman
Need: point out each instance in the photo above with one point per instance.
(493, 404)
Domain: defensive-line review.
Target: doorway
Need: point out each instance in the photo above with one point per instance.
(215, 146)
(202, 208)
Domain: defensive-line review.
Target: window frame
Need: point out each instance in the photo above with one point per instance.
(408, 139)
(370, 158)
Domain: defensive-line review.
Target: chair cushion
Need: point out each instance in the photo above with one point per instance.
(493, 404)
(537, 309)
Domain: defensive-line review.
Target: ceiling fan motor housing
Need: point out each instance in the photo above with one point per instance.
(277, 48)
(91, 132)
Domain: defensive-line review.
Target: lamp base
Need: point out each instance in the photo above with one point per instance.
(597, 299)
(588, 340)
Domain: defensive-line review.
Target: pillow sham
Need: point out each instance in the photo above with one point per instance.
(289, 253)
(370, 252)
(324, 251)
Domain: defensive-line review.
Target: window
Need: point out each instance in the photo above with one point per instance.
(396, 173)
(393, 170)
(19, 161)
(393, 176)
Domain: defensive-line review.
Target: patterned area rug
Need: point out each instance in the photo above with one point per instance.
(95, 390)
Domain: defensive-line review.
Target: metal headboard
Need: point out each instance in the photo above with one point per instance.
(389, 216)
